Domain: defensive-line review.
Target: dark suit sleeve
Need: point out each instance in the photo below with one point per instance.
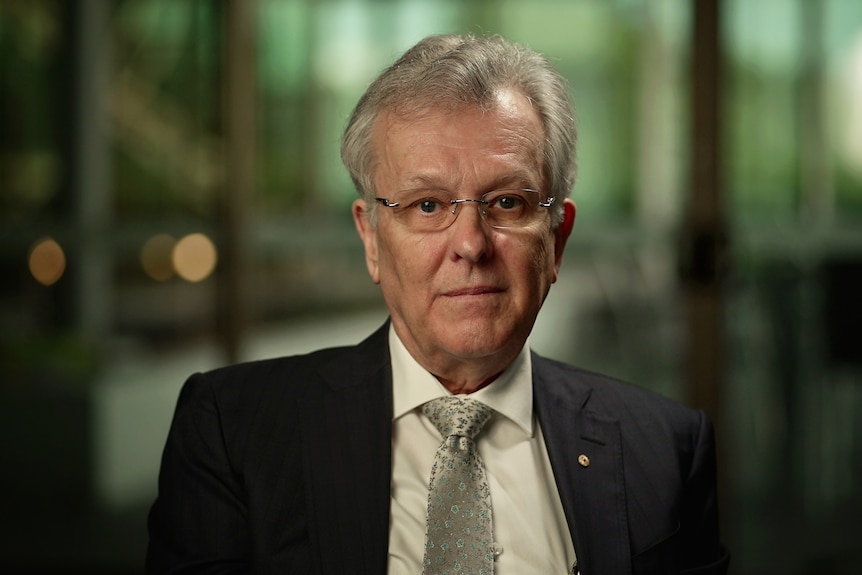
(198, 523)
(701, 551)
(691, 546)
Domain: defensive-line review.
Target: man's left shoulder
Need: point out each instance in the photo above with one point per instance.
(610, 397)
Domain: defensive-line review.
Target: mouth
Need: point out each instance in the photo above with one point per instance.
(473, 291)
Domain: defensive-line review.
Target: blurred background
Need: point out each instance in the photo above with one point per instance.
(171, 199)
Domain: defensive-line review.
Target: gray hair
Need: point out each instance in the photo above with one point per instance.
(460, 71)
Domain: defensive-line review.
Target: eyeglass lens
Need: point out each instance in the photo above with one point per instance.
(433, 210)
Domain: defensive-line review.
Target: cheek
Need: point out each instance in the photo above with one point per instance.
(406, 260)
(540, 264)
(534, 251)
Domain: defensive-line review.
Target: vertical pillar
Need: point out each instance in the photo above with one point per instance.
(705, 245)
(657, 189)
(86, 304)
(815, 181)
(240, 139)
(705, 248)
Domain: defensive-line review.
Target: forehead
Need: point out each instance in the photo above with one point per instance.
(446, 142)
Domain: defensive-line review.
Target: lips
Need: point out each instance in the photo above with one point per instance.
(473, 291)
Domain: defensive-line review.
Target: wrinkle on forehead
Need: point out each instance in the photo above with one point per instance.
(520, 133)
(507, 100)
(502, 103)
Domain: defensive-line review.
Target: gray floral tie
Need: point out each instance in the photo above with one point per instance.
(458, 536)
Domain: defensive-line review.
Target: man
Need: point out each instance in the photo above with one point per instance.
(463, 156)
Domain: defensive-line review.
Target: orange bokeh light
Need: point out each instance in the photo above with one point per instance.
(194, 257)
(156, 257)
(47, 261)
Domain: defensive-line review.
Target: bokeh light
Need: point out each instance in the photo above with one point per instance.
(156, 257)
(194, 257)
(47, 261)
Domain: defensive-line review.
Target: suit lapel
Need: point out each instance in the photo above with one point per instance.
(592, 488)
(348, 459)
(348, 463)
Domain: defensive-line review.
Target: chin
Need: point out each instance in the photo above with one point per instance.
(475, 339)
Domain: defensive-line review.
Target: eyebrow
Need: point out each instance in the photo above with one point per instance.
(520, 179)
(420, 182)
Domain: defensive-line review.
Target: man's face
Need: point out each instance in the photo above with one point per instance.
(466, 295)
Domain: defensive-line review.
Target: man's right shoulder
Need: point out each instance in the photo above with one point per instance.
(295, 371)
(294, 375)
(255, 395)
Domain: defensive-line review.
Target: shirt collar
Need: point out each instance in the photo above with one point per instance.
(510, 395)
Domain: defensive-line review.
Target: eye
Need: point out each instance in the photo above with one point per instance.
(425, 202)
(428, 205)
(509, 202)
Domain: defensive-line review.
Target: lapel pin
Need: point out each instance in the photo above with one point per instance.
(584, 460)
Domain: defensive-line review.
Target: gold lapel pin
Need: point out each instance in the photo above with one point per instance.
(584, 460)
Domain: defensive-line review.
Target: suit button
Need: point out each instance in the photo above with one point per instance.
(584, 460)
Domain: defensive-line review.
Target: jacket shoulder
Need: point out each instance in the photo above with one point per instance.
(264, 390)
(636, 408)
(297, 374)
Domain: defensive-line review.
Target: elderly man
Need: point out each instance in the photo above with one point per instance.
(442, 444)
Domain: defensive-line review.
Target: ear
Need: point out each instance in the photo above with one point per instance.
(368, 234)
(562, 233)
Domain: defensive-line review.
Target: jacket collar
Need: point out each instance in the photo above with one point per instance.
(585, 449)
(348, 459)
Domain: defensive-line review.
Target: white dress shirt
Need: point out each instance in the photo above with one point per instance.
(529, 522)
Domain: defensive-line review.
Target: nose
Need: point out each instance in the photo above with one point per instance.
(480, 204)
(470, 233)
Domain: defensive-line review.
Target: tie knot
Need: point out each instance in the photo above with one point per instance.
(459, 416)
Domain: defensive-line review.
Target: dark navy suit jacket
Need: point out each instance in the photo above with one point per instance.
(283, 466)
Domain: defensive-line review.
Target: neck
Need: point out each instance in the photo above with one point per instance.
(456, 387)
(464, 373)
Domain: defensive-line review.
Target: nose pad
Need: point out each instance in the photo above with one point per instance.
(480, 205)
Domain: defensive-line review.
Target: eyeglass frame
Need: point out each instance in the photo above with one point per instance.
(548, 203)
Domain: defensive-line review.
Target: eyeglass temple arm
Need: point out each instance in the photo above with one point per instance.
(546, 204)
(387, 203)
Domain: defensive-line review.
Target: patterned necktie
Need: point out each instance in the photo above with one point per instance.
(458, 536)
